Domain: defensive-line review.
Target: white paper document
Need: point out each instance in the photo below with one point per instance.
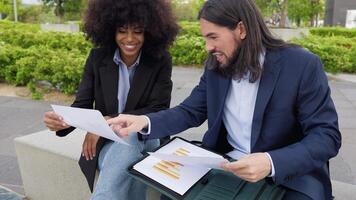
(178, 175)
(199, 161)
(87, 119)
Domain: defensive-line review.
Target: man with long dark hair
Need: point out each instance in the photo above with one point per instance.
(267, 103)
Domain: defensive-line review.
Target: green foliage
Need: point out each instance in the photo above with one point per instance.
(5, 6)
(187, 10)
(6, 25)
(36, 95)
(188, 50)
(189, 28)
(61, 68)
(22, 37)
(25, 13)
(336, 52)
(353, 59)
(67, 9)
(336, 47)
(30, 14)
(28, 56)
(298, 11)
(333, 31)
(274, 10)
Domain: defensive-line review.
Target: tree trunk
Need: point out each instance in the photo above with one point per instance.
(59, 10)
(314, 13)
(284, 14)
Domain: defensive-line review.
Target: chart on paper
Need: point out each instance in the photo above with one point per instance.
(171, 169)
(174, 175)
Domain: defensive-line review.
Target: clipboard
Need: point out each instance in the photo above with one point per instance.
(214, 185)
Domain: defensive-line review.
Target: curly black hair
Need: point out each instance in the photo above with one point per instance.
(103, 17)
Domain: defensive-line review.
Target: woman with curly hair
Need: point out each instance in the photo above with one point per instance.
(129, 71)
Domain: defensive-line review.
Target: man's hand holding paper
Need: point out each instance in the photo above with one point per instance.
(196, 161)
(253, 167)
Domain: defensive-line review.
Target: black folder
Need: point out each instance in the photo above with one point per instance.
(215, 185)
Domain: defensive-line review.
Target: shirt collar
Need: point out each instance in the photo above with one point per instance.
(117, 59)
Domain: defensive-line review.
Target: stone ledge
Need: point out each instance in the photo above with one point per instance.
(343, 191)
(49, 166)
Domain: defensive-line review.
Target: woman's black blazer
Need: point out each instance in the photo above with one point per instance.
(150, 91)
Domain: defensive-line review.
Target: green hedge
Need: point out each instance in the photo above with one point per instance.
(188, 50)
(54, 40)
(337, 53)
(21, 66)
(29, 56)
(189, 28)
(333, 31)
(4, 24)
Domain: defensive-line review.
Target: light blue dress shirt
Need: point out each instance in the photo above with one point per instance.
(125, 78)
(238, 115)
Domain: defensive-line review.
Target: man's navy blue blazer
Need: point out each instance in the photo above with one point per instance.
(294, 118)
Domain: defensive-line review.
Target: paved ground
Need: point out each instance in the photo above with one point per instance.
(20, 117)
(6, 194)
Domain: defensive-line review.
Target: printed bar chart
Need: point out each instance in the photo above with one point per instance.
(171, 169)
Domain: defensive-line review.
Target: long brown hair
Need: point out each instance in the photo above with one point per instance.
(228, 13)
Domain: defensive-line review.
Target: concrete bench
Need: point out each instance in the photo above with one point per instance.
(49, 166)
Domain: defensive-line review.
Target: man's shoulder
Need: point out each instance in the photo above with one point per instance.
(296, 52)
(297, 60)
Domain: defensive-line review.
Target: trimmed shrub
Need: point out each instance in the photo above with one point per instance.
(62, 69)
(189, 28)
(188, 50)
(333, 31)
(29, 55)
(336, 52)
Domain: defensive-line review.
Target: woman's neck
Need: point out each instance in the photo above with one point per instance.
(129, 60)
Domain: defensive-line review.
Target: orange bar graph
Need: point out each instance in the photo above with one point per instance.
(171, 169)
(165, 172)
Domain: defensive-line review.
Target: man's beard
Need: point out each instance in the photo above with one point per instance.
(229, 69)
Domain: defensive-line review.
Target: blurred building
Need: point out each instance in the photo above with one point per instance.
(340, 13)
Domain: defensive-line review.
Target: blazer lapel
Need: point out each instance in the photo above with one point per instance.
(271, 69)
(219, 87)
(223, 85)
(109, 77)
(140, 80)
